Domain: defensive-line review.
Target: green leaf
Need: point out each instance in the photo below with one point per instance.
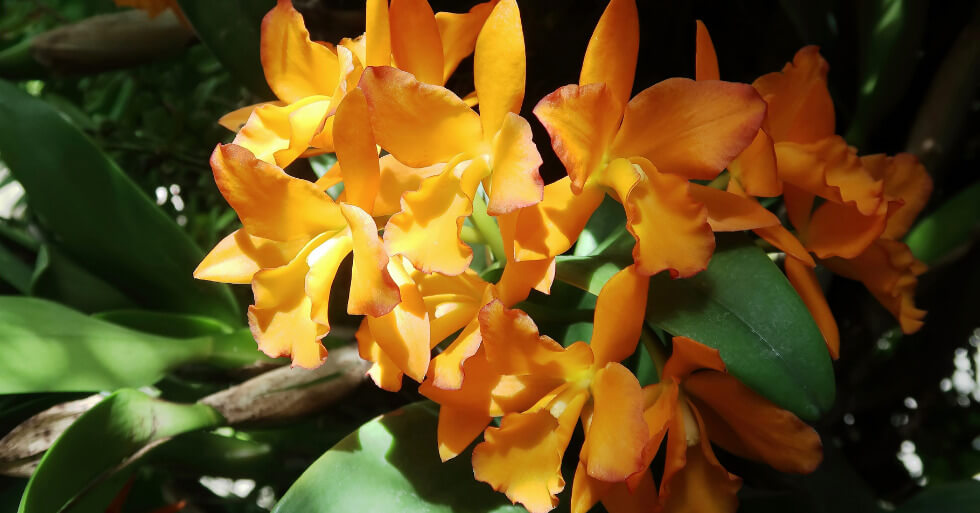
(101, 443)
(50, 348)
(165, 324)
(392, 464)
(948, 228)
(58, 278)
(952, 497)
(743, 306)
(14, 271)
(605, 222)
(231, 30)
(99, 216)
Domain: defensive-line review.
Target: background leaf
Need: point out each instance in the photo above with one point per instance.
(392, 464)
(950, 227)
(58, 278)
(102, 442)
(743, 306)
(99, 216)
(952, 497)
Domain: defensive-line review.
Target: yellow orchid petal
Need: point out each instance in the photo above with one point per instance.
(499, 66)
(905, 180)
(611, 55)
(587, 490)
(377, 34)
(458, 33)
(295, 67)
(237, 257)
(729, 212)
(356, 151)
(385, 374)
(426, 231)
(552, 226)
(514, 182)
(452, 301)
(397, 179)
(357, 48)
(689, 128)
(373, 292)
(415, 41)
(280, 134)
(235, 119)
(619, 313)
(800, 107)
(701, 486)
(522, 458)
(280, 319)
(520, 278)
(804, 280)
(831, 169)
(705, 59)
(270, 203)
(448, 368)
(617, 432)
(670, 226)
(418, 123)
(403, 333)
(756, 428)
(755, 168)
(457, 429)
(324, 261)
(889, 271)
(582, 122)
(514, 346)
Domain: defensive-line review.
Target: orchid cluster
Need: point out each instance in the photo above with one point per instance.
(427, 176)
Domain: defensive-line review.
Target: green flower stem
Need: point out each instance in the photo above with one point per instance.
(655, 349)
(486, 226)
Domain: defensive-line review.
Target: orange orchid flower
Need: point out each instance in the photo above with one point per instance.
(293, 240)
(644, 151)
(541, 389)
(422, 125)
(695, 403)
(868, 201)
(312, 78)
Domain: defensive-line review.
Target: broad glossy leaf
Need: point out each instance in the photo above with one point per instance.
(392, 464)
(959, 496)
(13, 271)
(101, 444)
(99, 216)
(605, 222)
(47, 347)
(165, 324)
(230, 29)
(58, 278)
(745, 307)
(948, 228)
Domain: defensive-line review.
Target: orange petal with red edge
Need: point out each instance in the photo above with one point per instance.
(906, 180)
(841, 231)
(582, 122)
(729, 212)
(520, 278)
(705, 59)
(617, 433)
(457, 429)
(458, 33)
(270, 203)
(237, 257)
(295, 67)
(804, 280)
(770, 433)
(670, 226)
(688, 356)
(324, 261)
(800, 107)
(426, 231)
(418, 123)
(688, 128)
(755, 168)
(385, 374)
(377, 34)
(446, 370)
(499, 66)
(356, 151)
(452, 301)
(514, 346)
(889, 271)
(832, 170)
(552, 226)
(373, 292)
(611, 55)
(397, 179)
(415, 42)
(514, 180)
(235, 119)
(280, 134)
(403, 333)
(619, 313)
